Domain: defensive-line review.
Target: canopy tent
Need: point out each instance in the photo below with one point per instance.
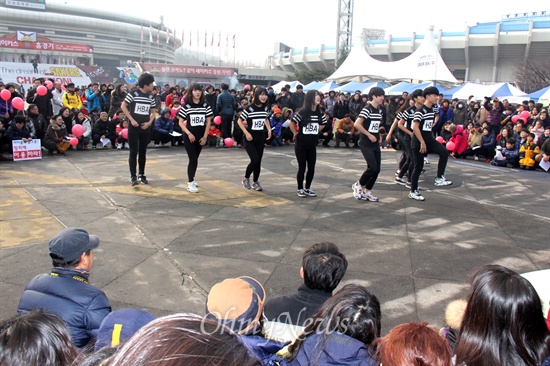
(399, 88)
(423, 86)
(541, 96)
(425, 63)
(500, 90)
(352, 86)
(277, 87)
(314, 85)
(329, 85)
(379, 84)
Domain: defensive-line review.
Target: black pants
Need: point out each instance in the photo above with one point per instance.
(408, 165)
(161, 137)
(433, 147)
(307, 157)
(227, 119)
(346, 138)
(138, 139)
(373, 157)
(255, 150)
(193, 151)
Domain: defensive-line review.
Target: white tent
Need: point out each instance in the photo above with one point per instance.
(277, 87)
(424, 64)
(500, 90)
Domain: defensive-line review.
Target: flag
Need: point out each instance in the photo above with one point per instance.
(233, 40)
(158, 35)
(220, 39)
(150, 34)
(189, 37)
(204, 39)
(174, 34)
(167, 36)
(141, 33)
(212, 42)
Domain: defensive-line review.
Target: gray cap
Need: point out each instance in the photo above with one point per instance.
(69, 244)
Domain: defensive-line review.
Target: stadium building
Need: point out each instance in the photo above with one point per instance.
(488, 52)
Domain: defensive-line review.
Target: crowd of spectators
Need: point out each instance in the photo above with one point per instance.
(63, 320)
(490, 130)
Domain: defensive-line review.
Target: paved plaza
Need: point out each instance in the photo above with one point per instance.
(162, 247)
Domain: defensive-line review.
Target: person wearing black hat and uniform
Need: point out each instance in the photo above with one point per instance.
(66, 291)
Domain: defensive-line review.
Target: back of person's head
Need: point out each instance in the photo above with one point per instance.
(225, 86)
(323, 266)
(36, 339)
(183, 339)
(431, 90)
(145, 79)
(413, 344)
(352, 311)
(503, 323)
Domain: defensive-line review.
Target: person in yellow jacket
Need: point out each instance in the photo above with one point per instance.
(71, 99)
(527, 153)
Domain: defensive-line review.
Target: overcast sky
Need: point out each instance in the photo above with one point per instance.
(258, 24)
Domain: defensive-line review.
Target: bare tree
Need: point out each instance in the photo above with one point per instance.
(533, 74)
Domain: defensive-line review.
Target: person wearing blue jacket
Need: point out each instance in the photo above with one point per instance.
(163, 128)
(276, 127)
(225, 104)
(446, 114)
(95, 98)
(66, 291)
(488, 144)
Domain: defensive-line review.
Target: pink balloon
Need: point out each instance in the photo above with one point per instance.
(450, 146)
(228, 142)
(18, 103)
(78, 130)
(247, 87)
(217, 120)
(525, 115)
(440, 139)
(73, 141)
(515, 118)
(5, 94)
(49, 84)
(124, 133)
(41, 90)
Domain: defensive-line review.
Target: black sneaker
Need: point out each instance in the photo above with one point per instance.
(134, 181)
(143, 179)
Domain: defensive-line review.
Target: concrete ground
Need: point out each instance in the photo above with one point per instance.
(162, 247)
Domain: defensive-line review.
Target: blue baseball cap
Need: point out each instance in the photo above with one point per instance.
(69, 244)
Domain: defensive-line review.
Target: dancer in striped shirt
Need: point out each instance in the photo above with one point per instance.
(256, 117)
(194, 118)
(368, 123)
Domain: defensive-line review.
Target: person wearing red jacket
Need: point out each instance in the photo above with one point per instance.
(460, 139)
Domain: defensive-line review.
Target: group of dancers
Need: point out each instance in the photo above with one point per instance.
(414, 121)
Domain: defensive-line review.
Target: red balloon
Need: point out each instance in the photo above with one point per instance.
(247, 87)
(450, 146)
(41, 90)
(228, 141)
(124, 133)
(525, 115)
(5, 94)
(49, 84)
(18, 103)
(78, 130)
(73, 141)
(515, 118)
(217, 120)
(440, 139)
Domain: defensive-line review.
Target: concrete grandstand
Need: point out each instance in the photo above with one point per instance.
(488, 52)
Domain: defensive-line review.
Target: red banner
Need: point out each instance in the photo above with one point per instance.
(188, 70)
(45, 46)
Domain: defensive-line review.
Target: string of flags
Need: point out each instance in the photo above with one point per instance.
(171, 34)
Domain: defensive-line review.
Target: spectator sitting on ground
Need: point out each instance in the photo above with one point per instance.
(325, 131)
(544, 151)
(447, 131)
(214, 137)
(527, 153)
(114, 123)
(488, 144)
(18, 130)
(503, 322)
(164, 127)
(413, 344)
(121, 142)
(38, 122)
(101, 131)
(176, 106)
(183, 339)
(344, 131)
(66, 291)
(460, 138)
(341, 332)
(84, 140)
(509, 156)
(286, 133)
(237, 303)
(55, 138)
(538, 131)
(323, 267)
(276, 127)
(36, 339)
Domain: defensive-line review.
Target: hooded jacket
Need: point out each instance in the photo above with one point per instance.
(163, 125)
(460, 139)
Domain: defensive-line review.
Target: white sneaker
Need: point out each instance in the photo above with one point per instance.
(191, 187)
(426, 161)
(415, 195)
(357, 191)
(157, 145)
(310, 192)
(439, 182)
(476, 158)
(301, 193)
(119, 146)
(367, 196)
(195, 183)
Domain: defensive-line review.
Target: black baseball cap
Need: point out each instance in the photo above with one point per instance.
(69, 244)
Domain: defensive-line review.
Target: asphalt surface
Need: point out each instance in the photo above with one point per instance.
(162, 247)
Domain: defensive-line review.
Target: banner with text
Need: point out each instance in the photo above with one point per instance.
(31, 150)
(192, 71)
(24, 73)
